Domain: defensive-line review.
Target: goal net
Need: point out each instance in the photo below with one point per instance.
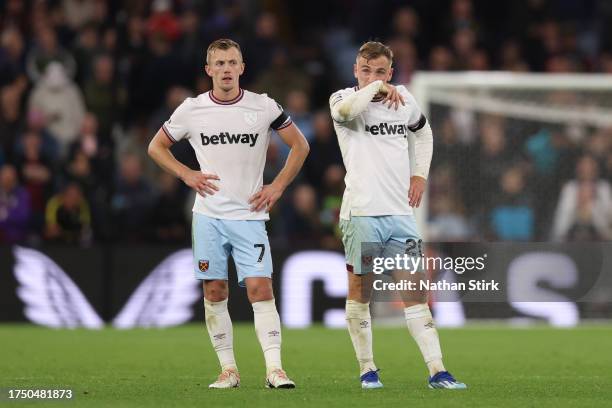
(511, 140)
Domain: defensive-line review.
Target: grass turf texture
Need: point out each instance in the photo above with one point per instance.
(172, 367)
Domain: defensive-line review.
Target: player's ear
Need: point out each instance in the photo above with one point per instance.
(241, 68)
(207, 69)
(355, 70)
(390, 75)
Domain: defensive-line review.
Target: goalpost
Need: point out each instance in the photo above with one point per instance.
(576, 102)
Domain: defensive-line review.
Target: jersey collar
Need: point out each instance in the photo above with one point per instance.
(230, 102)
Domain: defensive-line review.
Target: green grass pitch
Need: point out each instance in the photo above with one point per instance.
(536, 367)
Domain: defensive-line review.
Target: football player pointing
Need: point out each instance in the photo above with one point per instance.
(229, 129)
(372, 123)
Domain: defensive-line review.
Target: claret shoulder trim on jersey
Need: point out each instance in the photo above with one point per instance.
(230, 102)
(167, 132)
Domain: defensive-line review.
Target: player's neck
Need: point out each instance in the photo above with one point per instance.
(225, 96)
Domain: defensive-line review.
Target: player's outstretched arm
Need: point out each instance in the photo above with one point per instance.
(348, 108)
(270, 193)
(159, 151)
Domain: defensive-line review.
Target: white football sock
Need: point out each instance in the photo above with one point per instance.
(268, 329)
(360, 328)
(220, 330)
(421, 327)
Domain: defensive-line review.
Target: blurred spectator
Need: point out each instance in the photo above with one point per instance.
(78, 12)
(584, 210)
(441, 59)
(511, 57)
(189, 45)
(333, 190)
(87, 158)
(404, 60)
(102, 95)
(226, 21)
(11, 119)
(87, 45)
(599, 144)
(157, 65)
(462, 15)
(36, 122)
(303, 222)
(174, 97)
(281, 78)
(298, 108)
(36, 171)
(14, 207)
(133, 199)
(162, 21)
(59, 99)
(447, 222)
(11, 55)
(168, 219)
(80, 169)
(406, 27)
(68, 218)
(15, 14)
(512, 216)
(478, 61)
(324, 150)
(135, 142)
(259, 50)
(46, 51)
(494, 157)
(464, 47)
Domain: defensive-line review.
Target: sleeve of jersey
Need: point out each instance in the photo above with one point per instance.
(423, 143)
(345, 108)
(176, 127)
(416, 120)
(280, 118)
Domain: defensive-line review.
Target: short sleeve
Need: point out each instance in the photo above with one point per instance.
(416, 119)
(176, 128)
(279, 119)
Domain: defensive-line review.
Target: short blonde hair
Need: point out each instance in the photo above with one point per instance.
(374, 49)
(222, 44)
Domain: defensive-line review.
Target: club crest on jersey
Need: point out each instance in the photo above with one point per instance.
(250, 118)
(203, 265)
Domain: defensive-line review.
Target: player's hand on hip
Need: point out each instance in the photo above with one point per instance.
(417, 188)
(266, 198)
(201, 182)
(392, 96)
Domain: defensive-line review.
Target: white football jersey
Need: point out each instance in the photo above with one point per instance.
(374, 148)
(230, 139)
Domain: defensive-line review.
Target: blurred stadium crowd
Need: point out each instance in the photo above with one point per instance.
(85, 84)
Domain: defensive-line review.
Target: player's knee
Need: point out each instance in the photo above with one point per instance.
(358, 294)
(215, 291)
(259, 293)
(358, 290)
